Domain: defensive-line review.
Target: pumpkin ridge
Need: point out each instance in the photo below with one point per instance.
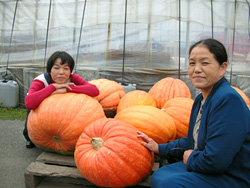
(85, 165)
(124, 158)
(76, 114)
(101, 159)
(160, 95)
(110, 95)
(138, 113)
(41, 140)
(113, 167)
(177, 88)
(172, 89)
(157, 121)
(180, 88)
(106, 89)
(179, 108)
(66, 104)
(122, 141)
(109, 91)
(110, 99)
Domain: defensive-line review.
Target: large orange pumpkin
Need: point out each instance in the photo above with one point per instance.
(136, 97)
(243, 95)
(179, 108)
(150, 120)
(110, 95)
(168, 88)
(56, 124)
(109, 154)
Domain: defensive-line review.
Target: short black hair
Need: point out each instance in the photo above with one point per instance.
(215, 47)
(64, 56)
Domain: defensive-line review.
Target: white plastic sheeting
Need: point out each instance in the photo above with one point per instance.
(136, 41)
(152, 29)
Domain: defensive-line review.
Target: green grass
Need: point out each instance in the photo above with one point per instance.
(13, 113)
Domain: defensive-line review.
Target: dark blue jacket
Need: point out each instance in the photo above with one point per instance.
(224, 136)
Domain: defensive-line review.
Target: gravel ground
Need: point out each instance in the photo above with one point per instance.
(14, 156)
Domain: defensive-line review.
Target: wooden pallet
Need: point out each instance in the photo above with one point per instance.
(52, 170)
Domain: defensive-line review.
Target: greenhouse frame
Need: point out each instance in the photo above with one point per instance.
(133, 42)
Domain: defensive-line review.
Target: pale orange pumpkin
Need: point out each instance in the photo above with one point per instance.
(136, 97)
(110, 95)
(168, 88)
(243, 95)
(56, 124)
(179, 108)
(150, 120)
(109, 154)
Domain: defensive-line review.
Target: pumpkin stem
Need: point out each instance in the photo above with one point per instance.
(56, 138)
(97, 143)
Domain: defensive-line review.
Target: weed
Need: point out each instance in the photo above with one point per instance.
(13, 113)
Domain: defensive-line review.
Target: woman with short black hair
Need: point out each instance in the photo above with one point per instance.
(59, 78)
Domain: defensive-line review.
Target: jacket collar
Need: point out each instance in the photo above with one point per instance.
(215, 88)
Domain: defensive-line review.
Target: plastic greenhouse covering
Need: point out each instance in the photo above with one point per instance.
(135, 42)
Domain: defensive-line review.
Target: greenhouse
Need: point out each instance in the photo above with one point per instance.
(133, 42)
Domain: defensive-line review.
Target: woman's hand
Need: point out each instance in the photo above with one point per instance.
(186, 155)
(62, 88)
(149, 142)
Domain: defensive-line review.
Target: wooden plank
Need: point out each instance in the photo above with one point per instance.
(48, 183)
(41, 169)
(147, 181)
(53, 158)
(155, 167)
(32, 181)
(63, 169)
(37, 172)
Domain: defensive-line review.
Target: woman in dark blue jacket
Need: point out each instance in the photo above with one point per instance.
(217, 149)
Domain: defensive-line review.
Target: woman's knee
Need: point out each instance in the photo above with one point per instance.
(161, 179)
(156, 180)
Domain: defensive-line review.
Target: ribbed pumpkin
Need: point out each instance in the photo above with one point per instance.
(56, 124)
(168, 88)
(110, 95)
(109, 154)
(150, 120)
(243, 95)
(179, 108)
(136, 97)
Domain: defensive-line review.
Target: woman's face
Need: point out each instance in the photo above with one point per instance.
(204, 70)
(60, 73)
